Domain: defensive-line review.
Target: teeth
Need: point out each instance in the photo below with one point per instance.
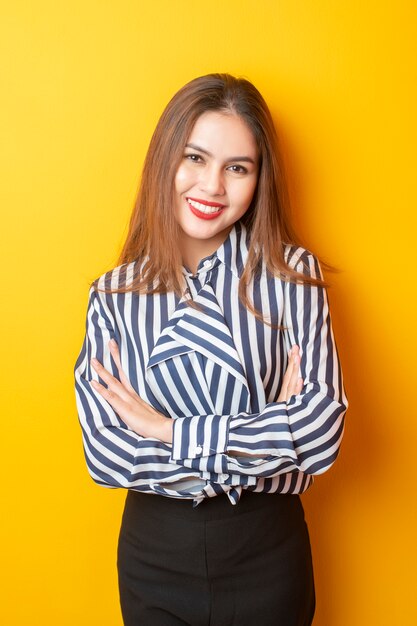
(203, 207)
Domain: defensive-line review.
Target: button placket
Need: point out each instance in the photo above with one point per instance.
(208, 264)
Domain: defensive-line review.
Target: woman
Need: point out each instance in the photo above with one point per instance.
(209, 376)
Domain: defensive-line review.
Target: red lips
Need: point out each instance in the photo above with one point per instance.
(205, 216)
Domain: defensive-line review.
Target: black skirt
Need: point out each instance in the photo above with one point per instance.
(216, 564)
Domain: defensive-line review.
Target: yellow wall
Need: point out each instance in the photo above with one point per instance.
(83, 83)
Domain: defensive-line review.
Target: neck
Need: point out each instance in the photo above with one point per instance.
(193, 250)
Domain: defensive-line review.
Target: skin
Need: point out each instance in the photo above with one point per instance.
(220, 165)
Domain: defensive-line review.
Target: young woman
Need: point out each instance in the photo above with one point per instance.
(208, 384)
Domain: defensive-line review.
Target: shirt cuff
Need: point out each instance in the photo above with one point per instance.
(199, 436)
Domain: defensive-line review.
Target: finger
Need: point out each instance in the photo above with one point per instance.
(118, 404)
(299, 386)
(293, 387)
(290, 365)
(292, 381)
(113, 384)
(286, 379)
(295, 350)
(114, 351)
(127, 411)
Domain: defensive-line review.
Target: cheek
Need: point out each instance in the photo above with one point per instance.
(246, 195)
(183, 179)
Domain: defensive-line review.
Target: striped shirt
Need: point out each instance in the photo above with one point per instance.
(216, 370)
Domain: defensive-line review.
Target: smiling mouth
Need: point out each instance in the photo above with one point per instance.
(208, 208)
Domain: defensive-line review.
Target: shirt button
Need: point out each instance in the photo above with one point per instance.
(199, 449)
(207, 264)
(224, 476)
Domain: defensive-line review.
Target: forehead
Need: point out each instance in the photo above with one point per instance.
(223, 133)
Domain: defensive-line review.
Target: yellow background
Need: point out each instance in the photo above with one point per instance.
(83, 84)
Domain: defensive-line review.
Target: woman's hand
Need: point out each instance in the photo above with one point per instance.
(142, 418)
(291, 386)
(291, 383)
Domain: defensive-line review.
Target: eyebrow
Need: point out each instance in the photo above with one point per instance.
(244, 159)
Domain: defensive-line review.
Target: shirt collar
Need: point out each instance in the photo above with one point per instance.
(233, 252)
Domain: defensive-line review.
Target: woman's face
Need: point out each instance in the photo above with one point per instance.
(214, 183)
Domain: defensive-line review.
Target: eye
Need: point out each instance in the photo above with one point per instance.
(238, 169)
(195, 158)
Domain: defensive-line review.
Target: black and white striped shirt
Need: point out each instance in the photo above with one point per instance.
(217, 371)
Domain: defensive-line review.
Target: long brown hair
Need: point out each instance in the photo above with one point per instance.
(153, 230)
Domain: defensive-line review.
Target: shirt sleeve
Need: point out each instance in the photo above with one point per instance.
(303, 434)
(115, 455)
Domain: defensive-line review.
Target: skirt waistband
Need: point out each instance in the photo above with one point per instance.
(218, 507)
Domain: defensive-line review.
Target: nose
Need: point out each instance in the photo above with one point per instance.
(211, 181)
